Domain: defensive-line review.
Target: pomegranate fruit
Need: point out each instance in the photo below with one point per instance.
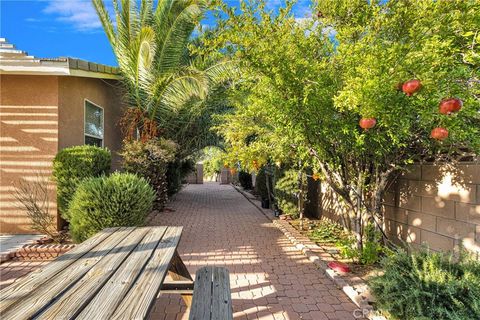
(450, 105)
(439, 133)
(411, 86)
(367, 123)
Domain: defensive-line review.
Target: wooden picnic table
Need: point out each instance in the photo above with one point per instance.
(116, 274)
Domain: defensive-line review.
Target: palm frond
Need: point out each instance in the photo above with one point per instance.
(161, 77)
(175, 21)
(106, 21)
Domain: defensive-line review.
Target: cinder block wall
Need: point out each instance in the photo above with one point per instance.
(436, 205)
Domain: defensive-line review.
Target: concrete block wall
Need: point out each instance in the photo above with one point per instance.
(432, 204)
(437, 205)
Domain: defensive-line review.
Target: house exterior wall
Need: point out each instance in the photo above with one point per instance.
(28, 142)
(40, 115)
(436, 205)
(73, 91)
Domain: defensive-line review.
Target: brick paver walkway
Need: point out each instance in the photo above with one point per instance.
(270, 279)
(10, 271)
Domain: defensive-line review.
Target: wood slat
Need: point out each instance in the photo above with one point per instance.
(80, 294)
(105, 302)
(141, 297)
(202, 295)
(212, 296)
(26, 285)
(51, 290)
(179, 272)
(221, 295)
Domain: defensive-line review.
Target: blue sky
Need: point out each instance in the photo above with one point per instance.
(70, 28)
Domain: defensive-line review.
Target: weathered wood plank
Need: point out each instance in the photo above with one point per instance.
(80, 294)
(141, 297)
(179, 272)
(32, 281)
(212, 296)
(202, 295)
(35, 302)
(105, 302)
(221, 295)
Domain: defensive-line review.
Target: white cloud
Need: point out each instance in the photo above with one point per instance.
(33, 20)
(80, 14)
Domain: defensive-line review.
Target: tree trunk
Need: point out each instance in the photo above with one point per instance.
(267, 181)
(300, 198)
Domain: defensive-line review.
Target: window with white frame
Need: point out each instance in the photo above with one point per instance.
(93, 124)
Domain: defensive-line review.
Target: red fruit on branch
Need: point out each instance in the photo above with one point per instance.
(439, 133)
(450, 105)
(367, 123)
(411, 86)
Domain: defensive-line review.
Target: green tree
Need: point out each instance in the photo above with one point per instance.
(166, 85)
(306, 85)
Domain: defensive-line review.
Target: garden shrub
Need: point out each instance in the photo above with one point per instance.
(72, 165)
(34, 196)
(176, 173)
(261, 183)
(150, 160)
(287, 191)
(245, 180)
(213, 162)
(428, 285)
(372, 249)
(121, 199)
(327, 232)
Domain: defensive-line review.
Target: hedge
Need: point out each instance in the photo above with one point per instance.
(121, 199)
(72, 165)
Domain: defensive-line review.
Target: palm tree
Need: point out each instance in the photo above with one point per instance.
(161, 78)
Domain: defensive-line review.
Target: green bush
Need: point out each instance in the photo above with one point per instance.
(245, 180)
(428, 285)
(176, 173)
(327, 232)
(213, 161)
(121, 199)
(287, 192)
(372, 249)
(261, 183)
(72, 165)
(150, 160)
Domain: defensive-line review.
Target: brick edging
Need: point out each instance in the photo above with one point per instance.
(37, 252)
(305, 245)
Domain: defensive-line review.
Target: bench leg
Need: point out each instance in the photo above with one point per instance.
(179, 272)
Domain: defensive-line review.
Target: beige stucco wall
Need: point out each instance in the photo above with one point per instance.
(73, 91)
(40, 115)
(28, 141)
(436, 205)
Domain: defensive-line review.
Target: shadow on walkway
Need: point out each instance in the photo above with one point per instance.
(270, 279)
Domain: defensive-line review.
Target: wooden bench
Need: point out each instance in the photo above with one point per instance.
(212, 295)
(116, 274)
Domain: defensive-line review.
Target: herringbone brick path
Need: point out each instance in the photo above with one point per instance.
(270, 279)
